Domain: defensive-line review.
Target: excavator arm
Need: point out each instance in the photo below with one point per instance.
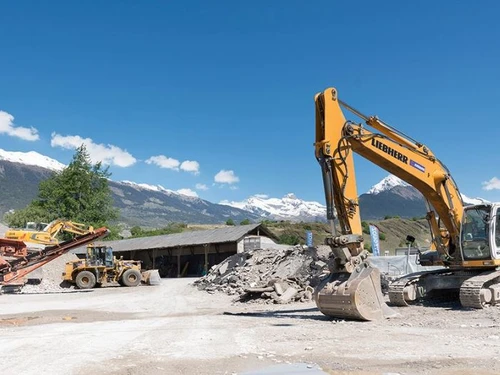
(353, 289)
(411, 161)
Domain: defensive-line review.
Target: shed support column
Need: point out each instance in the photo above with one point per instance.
(205, 268)
(178, 262)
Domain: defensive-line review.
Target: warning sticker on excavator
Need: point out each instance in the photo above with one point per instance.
(420, 167)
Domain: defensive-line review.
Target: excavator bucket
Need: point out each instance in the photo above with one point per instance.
(151, 277)
(356, 295)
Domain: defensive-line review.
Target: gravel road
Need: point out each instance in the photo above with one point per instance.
(173, 328)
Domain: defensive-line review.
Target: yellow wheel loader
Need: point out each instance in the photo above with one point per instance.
(102, 268)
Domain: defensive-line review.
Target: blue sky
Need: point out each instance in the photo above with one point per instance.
(204, 87)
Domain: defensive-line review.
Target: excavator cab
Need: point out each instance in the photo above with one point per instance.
(34, 226)
(480, 233)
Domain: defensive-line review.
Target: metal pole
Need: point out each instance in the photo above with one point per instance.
(408, 257)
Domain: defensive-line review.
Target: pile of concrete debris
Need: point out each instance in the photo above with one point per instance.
(269, 275)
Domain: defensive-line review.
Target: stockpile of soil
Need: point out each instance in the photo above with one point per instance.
(269, 275)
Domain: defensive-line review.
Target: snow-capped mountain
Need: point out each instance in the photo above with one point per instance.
(287, 208)
(158, 188)
(386, 183)
(391, 182)
(31, 158)
(139, 204)
(155, 205)
(468, 200)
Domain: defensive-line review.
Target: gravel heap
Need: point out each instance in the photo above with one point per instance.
(269, 275)
(51, 277)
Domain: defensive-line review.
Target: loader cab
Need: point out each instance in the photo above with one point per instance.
(100, 256)
(480, 232)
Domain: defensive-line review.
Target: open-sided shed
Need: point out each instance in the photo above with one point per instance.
(190, 253)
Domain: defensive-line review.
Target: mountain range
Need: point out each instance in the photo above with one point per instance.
(155, 206)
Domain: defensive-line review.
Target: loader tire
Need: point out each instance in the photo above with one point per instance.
(131, 277)
(85, 280)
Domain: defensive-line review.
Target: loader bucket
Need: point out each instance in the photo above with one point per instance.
(151, 277)
(356, 295)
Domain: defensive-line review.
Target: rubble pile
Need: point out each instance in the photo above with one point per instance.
(268, 275)
(48, 278)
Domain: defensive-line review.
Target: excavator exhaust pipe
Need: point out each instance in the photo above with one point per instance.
(357, 295)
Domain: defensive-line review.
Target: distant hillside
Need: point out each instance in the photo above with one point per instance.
(394, 232)
(147, 206)
(19, 184)
(153, 206)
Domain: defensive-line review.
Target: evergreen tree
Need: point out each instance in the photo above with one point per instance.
(79, 193)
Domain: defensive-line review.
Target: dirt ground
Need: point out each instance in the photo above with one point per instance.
(173, 328)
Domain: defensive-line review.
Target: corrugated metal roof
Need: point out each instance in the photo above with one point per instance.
(199, 237)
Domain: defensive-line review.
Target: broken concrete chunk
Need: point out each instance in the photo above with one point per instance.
(307, 296)
(280, 287)
(259, 290)
(288, 295)
(223, 268)
(319, 264)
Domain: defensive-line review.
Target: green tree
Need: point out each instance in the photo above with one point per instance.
(229, 222)
(366, 227)
(79, 193)
(136, 231)
(245, 222)
(381, 236)
(288, 239)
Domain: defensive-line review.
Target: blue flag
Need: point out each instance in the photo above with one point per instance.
(309, 238)
(374, 235)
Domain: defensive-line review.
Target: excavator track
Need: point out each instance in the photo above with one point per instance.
(472, 291)
(396, 292)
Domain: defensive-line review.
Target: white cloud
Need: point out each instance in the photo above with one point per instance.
(226, 177)
(263, 196)
(7, 127)
(233, 187)
(188, 192)
(164, 162)
(493, 184)
(98, 152)
(191, 166)
(201, 187)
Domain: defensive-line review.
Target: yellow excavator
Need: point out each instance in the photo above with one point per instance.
(46, 233)
(465, 239)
